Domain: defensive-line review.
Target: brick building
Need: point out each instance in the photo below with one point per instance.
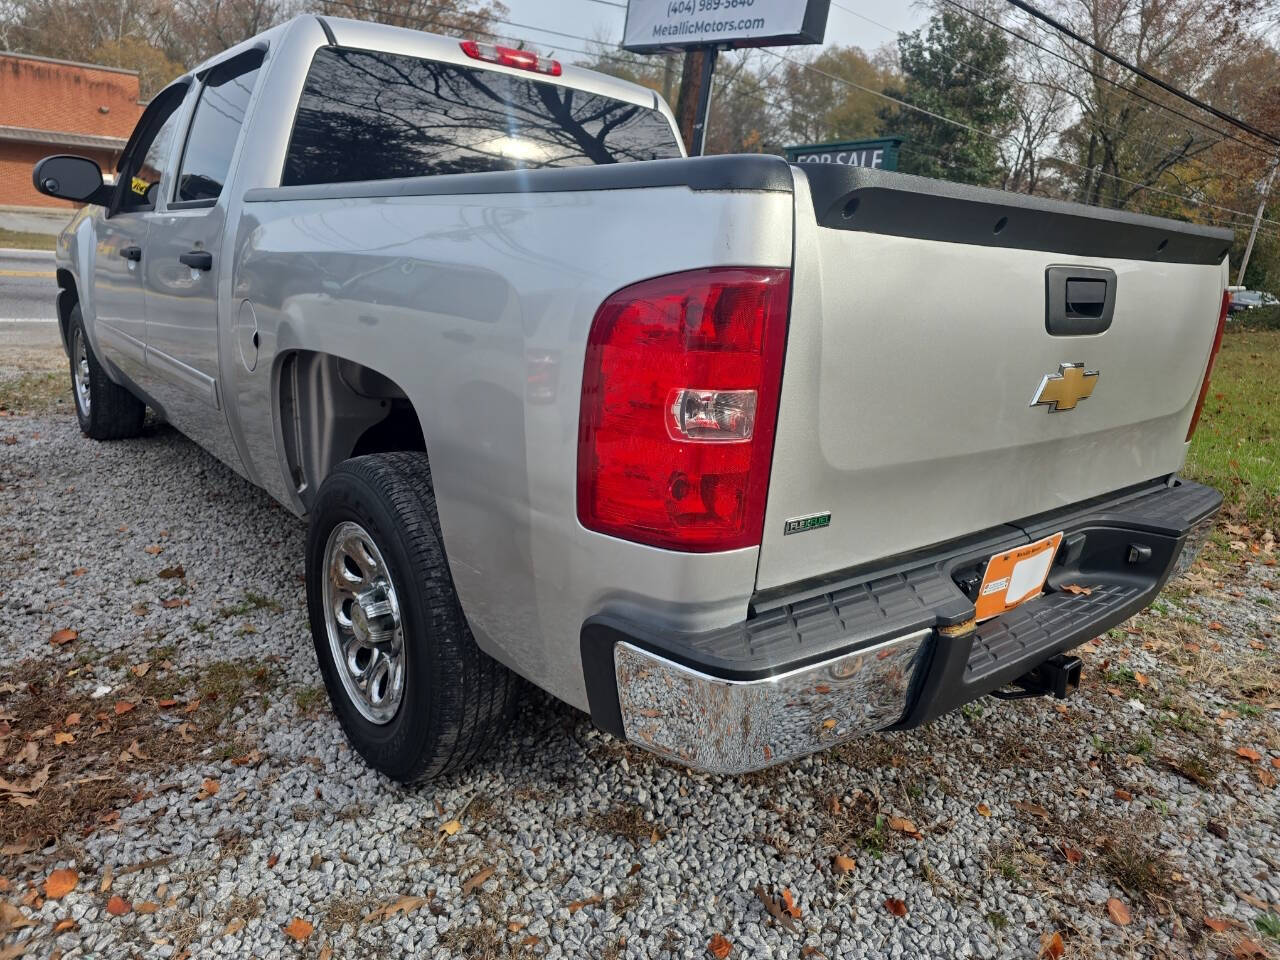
(54, 106)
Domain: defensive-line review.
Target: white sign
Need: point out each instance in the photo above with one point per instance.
(654, 25)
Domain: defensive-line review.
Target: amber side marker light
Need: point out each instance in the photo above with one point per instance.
(1208, 369)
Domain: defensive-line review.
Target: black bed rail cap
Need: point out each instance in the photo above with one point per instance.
(899, 204)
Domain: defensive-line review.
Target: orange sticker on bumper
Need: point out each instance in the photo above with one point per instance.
(1015, 577)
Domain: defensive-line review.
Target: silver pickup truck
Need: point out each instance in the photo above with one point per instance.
(743, 458)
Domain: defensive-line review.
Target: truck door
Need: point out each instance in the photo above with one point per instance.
(183, 259)
(118, 323)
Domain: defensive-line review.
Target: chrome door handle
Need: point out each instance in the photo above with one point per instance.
(131, 253)
(197, 260)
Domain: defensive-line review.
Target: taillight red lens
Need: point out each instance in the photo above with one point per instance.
(1213, 355)
(679, 401)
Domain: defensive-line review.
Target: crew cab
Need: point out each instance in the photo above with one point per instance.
(658, 434)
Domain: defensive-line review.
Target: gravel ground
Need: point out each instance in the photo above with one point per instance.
(205, 802)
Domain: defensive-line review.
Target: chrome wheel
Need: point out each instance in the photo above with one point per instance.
(80, 371)
(362, 617)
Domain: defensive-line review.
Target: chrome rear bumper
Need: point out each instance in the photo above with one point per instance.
(733, 726)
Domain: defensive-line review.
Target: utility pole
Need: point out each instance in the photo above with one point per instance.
(695, 96)
(1257, 218)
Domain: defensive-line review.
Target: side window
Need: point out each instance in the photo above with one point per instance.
(141, 170)
(215, 128)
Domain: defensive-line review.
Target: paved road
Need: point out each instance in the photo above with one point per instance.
(26, 285)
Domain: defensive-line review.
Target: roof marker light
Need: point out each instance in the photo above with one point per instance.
(510, 57)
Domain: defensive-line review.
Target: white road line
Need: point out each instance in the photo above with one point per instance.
(28, 320)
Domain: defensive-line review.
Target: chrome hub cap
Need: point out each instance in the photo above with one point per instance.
(362, 618)
(80, 372)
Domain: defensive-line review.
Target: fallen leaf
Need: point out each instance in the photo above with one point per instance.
(530, 941)
(60, 637)
(60, 883)
(590, 901)
(1217, 925)
(789, 905)
(234, 925)
(273, 860)
(1215, 625)
(477, 880)
(208, 789)
(1248, 950)
(1118, 911)
(154, 549)
(895, 906)
(1051, 946)
(450, 828)
(719, 947)
(774, 907)
(1248, 753)
(1123, 795)
(11, 918)
(123, 707)
(326, 953)
(62, 739)
(146, 906)
(105, 885)
(298, 929)
(140, 669)
(62, 926)
(1076, 589)
(843, 865)
(904, 826)
(172, 573)
(405, 905)
(1141, 679)
(1032, 808)
(118, 906)
(984, 810)
(79, 571)
(1071, 854)
(250, 759)
(173, 602)
(829, 723)
(73, 719)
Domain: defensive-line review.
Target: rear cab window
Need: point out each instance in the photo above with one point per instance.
(367, 115)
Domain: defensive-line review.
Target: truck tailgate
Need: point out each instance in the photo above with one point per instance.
(918, 342)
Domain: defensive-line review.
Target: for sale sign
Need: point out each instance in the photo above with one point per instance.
(881, 153)
(655, 26)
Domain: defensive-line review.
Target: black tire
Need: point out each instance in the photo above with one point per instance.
(456, 699)
(106, 410)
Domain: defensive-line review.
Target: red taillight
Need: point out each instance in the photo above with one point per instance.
(510, 57)
(679, 401)
(1213, 355)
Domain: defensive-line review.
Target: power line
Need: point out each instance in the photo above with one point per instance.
(1126, 91)
(1190, 158)
(1150, 78)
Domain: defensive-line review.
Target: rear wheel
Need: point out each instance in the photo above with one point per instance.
(106, 410)
(414, 694)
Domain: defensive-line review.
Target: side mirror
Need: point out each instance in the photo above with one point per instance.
(71, 178)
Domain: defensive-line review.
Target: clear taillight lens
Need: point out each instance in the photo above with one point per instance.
(679, 401)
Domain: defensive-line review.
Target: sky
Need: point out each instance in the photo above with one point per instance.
(864, 23)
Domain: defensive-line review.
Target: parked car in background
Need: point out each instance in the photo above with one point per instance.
(1252, 299)
(660, 435)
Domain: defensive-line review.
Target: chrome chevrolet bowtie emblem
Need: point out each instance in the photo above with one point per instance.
(1064, 389)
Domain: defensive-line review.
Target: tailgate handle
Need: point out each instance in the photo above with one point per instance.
(1078, 300)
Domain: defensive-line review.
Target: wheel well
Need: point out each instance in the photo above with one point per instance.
(333, 409)
(68, 297)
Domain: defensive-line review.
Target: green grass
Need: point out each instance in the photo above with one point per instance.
(26, 241)
(1235, 448)
(35, 392)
